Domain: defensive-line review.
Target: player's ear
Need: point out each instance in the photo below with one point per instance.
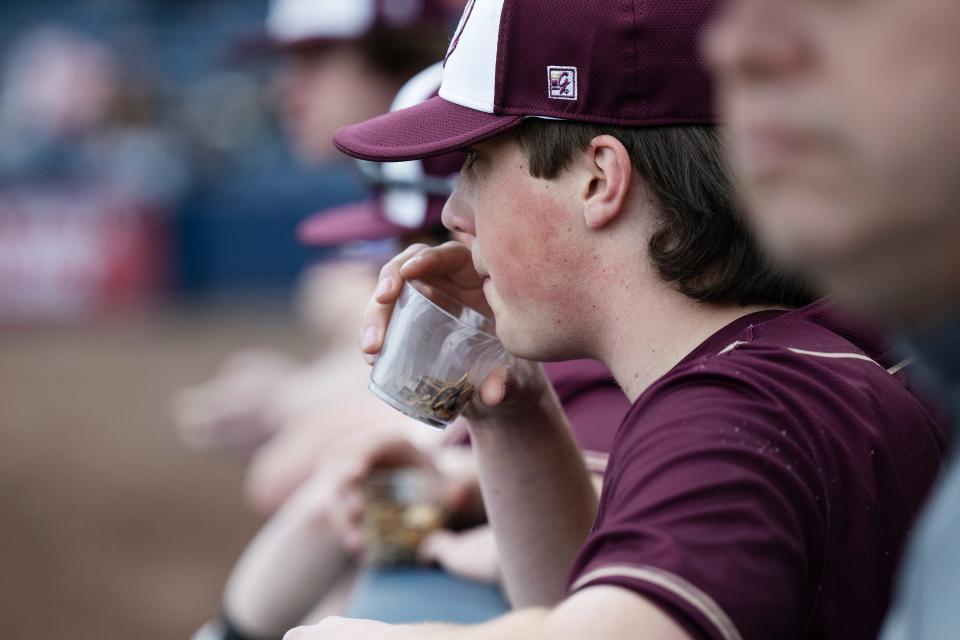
(606, 174)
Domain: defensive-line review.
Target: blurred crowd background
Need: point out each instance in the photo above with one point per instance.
(141, 158)
(148, 208)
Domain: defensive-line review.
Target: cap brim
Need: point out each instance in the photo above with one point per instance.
(430, 128)
(349, 223)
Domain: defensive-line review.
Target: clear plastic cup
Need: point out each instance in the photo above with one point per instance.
(401, 508)
(435, 354)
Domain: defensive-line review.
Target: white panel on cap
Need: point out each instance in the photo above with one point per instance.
(408, 207)
(471, 68)
(292, 20)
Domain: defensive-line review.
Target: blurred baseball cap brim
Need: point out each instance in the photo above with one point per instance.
(348, 223)
(431, 128)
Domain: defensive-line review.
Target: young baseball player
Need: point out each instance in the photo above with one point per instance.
(764, 480)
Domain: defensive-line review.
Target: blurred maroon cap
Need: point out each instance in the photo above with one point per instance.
(633, 64)
(294, 24)
(409, 195)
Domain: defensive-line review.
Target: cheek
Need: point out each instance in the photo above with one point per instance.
(899, 89)
(524, 243)
(325, 111)
(906, 136)
(333, 93)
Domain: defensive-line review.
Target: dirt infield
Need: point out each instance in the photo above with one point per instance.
(109, 528)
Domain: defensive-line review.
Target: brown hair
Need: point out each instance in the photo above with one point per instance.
(403, 52)
(397, 53)
(702, 244)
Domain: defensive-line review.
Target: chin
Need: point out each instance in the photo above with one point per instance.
(517, 343)
(514, 344)
(893, 290)
(538, 346)
(800, 232)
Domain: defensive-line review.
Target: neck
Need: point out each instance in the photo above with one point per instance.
(644, 336)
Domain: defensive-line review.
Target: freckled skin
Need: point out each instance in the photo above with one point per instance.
(522, 268)
(528, 239)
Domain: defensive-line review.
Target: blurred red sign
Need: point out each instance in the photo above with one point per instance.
(70, 253)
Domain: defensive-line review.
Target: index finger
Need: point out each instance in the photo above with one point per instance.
(380, 307)
(452, 260)
(449, 267)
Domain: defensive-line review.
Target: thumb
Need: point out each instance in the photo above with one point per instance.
(471, 554)
(498, 386)
(438, 546)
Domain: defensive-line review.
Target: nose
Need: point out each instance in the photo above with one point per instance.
(457, 214)
(755, 40)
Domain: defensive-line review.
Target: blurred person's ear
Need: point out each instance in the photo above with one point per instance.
(604, 173)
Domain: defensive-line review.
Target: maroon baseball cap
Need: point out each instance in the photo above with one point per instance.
(410, 198)
(409, 195)
(634, 64)
(296, 24)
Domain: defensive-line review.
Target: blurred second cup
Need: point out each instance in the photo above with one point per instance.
(435, 354)
(402, 507)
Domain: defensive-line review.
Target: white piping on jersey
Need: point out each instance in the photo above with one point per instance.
(829, 354)
(837, 355)
(673, 583)
(730, 347)
(596, 461)
(903, 364)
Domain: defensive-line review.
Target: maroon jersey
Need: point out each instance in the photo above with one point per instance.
(594, 403)
(763, 488)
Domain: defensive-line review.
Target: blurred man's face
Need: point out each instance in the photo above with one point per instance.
(846, 135)
(318, 91)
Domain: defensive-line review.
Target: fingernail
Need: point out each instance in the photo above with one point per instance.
(383, 286)
(369, 339)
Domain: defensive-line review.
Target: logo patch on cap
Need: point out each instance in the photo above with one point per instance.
(562, 83)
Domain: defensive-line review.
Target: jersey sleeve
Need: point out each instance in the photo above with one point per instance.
(712, 510)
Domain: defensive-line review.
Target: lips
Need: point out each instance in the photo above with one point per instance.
(769, 148)
(480, 272)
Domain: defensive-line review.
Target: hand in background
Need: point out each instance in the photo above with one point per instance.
(470, 554)
(227, 414)
(350, 466)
